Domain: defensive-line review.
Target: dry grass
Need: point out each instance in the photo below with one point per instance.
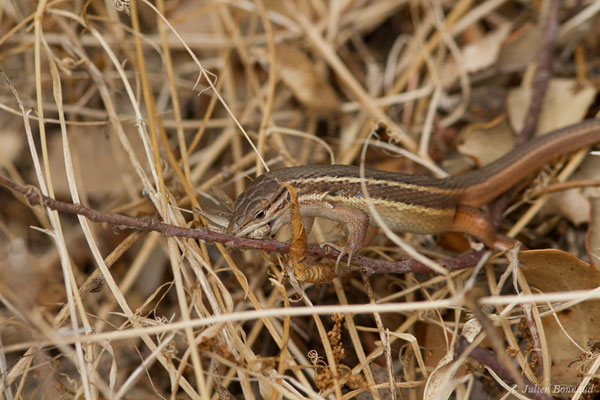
(142, 113)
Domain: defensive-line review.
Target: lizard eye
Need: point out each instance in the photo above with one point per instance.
(260, 214)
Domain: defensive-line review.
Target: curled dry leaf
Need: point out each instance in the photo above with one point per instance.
(440, 383)
(298, 243)
(318, 273)
(471, 329)
(558, 271)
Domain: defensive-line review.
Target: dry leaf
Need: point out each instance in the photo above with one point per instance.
(487, 145)
(555, 271)
(306, 82)
(519, 49)
(570, 204)
(298, 243)
(566, 102)
(574, 204)
(484, 52)
(318, 273)
(442, 380)
(438, 385)
(476, 56)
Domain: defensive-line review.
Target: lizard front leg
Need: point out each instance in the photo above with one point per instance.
(357, 224)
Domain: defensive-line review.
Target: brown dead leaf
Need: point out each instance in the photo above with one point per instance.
(566, 102)
(570, 204)
(477, 56)
(298, 73)
(488, 144)
(519, 49)
(484, 52)
(553, 271)
(434, 339)
(440, 360)
(574, 204)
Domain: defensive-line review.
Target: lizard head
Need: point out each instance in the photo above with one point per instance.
(257, 211)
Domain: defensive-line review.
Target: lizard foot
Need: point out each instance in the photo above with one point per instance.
(344, 251)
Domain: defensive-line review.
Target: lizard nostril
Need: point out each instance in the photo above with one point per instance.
(237, 222)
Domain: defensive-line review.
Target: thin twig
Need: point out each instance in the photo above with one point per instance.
(543, 73)
(371, 265)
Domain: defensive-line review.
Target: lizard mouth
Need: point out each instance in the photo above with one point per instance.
(271, 225)
(261, 232)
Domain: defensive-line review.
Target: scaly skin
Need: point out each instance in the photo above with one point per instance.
(407, 203)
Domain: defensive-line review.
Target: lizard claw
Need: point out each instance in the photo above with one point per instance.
(344, 251)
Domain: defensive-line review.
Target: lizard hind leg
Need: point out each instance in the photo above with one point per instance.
(474, 222)
(471, 220)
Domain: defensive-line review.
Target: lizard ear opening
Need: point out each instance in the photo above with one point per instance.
(260, 215)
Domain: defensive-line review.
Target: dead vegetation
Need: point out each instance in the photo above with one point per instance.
(140, 108)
